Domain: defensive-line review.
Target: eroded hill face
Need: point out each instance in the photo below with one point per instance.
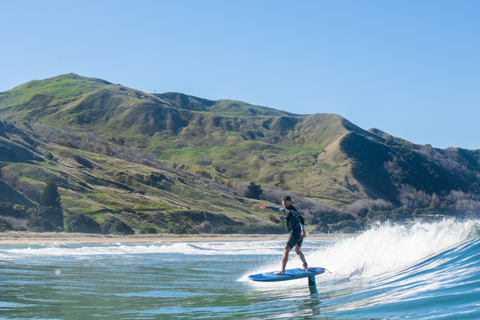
(322, 156)
(131, 187)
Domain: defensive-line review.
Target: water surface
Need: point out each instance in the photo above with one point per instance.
(428, 271)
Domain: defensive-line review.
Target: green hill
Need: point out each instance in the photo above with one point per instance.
(239, 140)
(116, 147)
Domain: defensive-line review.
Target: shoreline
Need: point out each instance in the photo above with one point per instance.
(25, 238)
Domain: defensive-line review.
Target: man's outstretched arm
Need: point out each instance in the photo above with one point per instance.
(270, 207)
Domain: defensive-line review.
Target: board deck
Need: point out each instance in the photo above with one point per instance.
(290, 274)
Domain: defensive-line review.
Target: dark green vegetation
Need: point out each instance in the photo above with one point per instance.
(176, 163)
(82, 223)
(254, 191)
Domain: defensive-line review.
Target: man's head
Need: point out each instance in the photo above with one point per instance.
(286, 201)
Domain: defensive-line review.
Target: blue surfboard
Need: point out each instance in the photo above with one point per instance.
(290, 274)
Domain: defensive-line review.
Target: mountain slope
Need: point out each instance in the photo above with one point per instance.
(321, 156)
(142, 195)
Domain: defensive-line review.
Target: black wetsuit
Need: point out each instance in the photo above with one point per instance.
(294, 222)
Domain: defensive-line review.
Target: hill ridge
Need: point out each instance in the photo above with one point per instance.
(321, 155)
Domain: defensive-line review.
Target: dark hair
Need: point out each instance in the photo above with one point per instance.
(287, 198)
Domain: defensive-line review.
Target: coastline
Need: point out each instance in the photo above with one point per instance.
(25, 238)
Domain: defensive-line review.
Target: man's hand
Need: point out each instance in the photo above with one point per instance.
(263, 207)
(304, 234)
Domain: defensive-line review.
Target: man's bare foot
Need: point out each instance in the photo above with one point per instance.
(305, 267)
(280, 272)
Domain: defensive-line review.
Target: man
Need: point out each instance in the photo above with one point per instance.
(296, 227)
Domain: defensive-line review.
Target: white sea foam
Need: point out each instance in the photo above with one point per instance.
(389, 248)
(205, 248)
(383, 249)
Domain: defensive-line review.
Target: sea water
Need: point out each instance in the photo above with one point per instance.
(425, 271)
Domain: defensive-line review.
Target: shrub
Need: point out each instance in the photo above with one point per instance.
(38, 224)
(5, 225)
(362, 213)
(203, 173)
(331, 217)
(22, 185)
(105, 227)
(121, 228)
(51, 214)
(28, 189)
(81, 223)
(253, 191)
(344, 224)
(148, 230)
(348, 230)
(128, 209)
(322, 227)
(181, 229)
(8, 175)
(7, 209)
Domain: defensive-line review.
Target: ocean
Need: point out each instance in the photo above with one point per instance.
(424, 271)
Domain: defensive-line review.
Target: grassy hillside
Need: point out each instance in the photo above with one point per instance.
(239, 140)
(118, 147)
(104, 187)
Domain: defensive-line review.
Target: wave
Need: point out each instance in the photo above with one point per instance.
(207, 248)
(382, 249)
(444, 284)
(425, 271)
(390, 248)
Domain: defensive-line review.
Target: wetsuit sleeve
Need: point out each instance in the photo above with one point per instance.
(274, 208)
(302, 222)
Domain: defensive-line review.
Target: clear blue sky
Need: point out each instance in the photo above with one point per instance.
(410, 68)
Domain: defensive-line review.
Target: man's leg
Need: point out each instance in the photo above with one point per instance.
(286, 252)
(298, 251)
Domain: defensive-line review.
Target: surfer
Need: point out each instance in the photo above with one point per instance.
(296, 227)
